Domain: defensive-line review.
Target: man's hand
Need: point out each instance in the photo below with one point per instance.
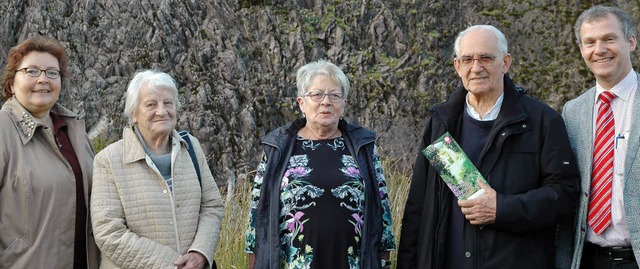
(192, 260)
(481, 210)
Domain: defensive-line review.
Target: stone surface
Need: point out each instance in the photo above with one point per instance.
(235, 60)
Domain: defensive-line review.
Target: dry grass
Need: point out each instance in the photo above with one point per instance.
(230, 252)
(398, 181)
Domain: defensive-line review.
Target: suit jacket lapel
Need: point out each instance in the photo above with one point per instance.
(586, 138)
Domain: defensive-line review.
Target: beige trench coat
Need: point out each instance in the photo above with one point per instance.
(38, 190)
(138, 221)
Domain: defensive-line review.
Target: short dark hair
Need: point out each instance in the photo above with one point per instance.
(17, 53)
(599, 12)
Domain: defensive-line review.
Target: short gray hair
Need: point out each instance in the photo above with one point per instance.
(596, 13)
(503, 45)
(321, 67)
(147, 77)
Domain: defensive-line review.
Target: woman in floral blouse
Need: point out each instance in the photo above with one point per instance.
(320, 197)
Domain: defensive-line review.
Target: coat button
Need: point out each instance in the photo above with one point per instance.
(467, 254)
(524, 126)
(164, 191)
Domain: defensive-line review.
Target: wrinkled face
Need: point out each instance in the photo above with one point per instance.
(605, 50)
(323, 113)
(155, 113)
(37, 94)
(483, 76)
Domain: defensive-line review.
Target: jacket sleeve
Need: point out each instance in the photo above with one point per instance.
(555, 198)
(250, 234)
(211, 210)
(4, 155)
(410, 235)
(388, 242)
(566, 229)
(119, 244)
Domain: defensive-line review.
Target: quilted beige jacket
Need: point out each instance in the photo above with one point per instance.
(138, 222)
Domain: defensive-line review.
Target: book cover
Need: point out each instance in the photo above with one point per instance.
(454, 167)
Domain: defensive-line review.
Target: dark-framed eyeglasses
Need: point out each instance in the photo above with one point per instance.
(319, 96)
(483, 60)
(35, 72)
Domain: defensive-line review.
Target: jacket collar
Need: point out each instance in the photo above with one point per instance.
(134, 151)
(510, 110)
(280, 136)
(26, 123)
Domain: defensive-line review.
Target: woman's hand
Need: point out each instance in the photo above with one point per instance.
(192, 260)
(252, 260)
(386, 256)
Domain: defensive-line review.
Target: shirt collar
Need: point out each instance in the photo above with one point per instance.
(623, 89)
(491, 115)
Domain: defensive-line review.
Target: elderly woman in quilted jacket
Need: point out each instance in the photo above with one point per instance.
(149, 206)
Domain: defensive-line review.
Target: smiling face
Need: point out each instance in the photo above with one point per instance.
(322, 114)
(155, 113)
(605, 50)
(37, 94)
(481, 79)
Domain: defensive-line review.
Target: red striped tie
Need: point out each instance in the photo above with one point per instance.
(599, 217)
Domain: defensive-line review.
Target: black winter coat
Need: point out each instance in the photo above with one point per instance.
(527, 160)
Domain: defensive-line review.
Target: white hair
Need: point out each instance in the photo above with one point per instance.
(502, 40)
(147, 77)
(307, 72)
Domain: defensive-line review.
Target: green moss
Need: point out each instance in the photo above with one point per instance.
(250, 3)
(388, 61)
(491, 13)
(433, 34)
(100, 142)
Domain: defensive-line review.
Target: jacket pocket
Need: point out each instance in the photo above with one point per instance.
(14, 251)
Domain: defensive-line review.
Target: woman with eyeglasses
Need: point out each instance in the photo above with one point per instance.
(45, 165)
(319, 195)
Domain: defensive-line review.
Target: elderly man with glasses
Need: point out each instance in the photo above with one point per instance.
(520, 147)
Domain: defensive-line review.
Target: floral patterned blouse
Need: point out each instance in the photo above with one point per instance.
(322, 205)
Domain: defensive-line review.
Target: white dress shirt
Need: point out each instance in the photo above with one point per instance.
(491, 115)
(618, 233)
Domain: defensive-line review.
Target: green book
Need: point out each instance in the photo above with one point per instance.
(454, 167)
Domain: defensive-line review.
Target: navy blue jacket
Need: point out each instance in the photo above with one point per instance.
(278, 146)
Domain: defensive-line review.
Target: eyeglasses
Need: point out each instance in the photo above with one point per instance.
(35, 72)
(319, 96)
(483, 60)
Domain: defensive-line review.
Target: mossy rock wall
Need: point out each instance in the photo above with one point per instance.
(235, 60)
